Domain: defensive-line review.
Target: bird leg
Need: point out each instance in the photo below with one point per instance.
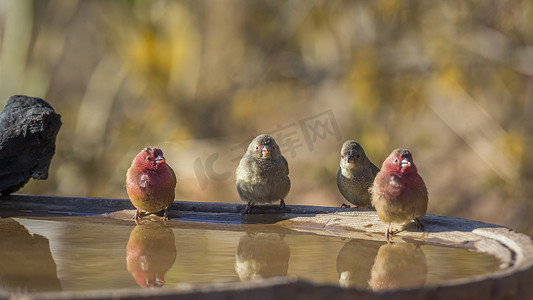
(165, 215)
(248, 209)
(282, 204)
(388, 234)
(344, 205)
(137, 214)
(159, 282)
(418, 224)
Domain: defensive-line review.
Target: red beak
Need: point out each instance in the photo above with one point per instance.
(349, 159)
(406, 163)
(265, 150)
(159, 159)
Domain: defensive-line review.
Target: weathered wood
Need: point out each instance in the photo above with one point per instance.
(513, 281)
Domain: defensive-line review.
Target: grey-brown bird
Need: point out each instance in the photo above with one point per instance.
(356, 174)
(399, 193)
(263, 173)
(262, 255)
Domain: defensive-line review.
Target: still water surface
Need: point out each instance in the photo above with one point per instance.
(62, 253)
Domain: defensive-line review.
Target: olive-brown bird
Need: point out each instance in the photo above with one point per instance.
(356, 174)
(263, 173)
(399, 194)
(150, 182)
(262, 255)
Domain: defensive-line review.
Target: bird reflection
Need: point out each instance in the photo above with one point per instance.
(400, 265)
(354, 262)
(26, 262)
(262, 255)
(150, 253)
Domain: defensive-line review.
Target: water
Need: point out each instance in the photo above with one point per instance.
(65, 253)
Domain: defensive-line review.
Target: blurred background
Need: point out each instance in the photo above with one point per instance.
(450, 80)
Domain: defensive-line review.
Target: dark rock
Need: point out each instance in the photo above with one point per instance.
(28, 130)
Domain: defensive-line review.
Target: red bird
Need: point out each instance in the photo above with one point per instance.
(399, 193)
(150, 183)
(150, 253)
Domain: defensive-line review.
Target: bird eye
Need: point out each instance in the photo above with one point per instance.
(256, 147)
(395, 160)
(148, 158)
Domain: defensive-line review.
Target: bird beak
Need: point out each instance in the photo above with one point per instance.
(265, 150)
(406, 163)
(159, 159)
(160, 282)
(349, 159)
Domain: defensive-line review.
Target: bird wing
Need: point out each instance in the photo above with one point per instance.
(286, 164)
(375, 170)
(173, 174)
(421, 186)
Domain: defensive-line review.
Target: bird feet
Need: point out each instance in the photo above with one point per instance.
(419, 224)
(248, 209)
(165, 215)
(344, 205)
(388, 234)
(137, 216)
(139, 213)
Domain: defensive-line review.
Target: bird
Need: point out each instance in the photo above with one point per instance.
(398, 266)
(262, 255)
(399, 193)
(262, 175)
(356, 174)
(355, 260)
(150, 253)
(150, 183)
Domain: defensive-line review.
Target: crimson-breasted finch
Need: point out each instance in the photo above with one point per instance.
(399, 193)
(151, 182)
